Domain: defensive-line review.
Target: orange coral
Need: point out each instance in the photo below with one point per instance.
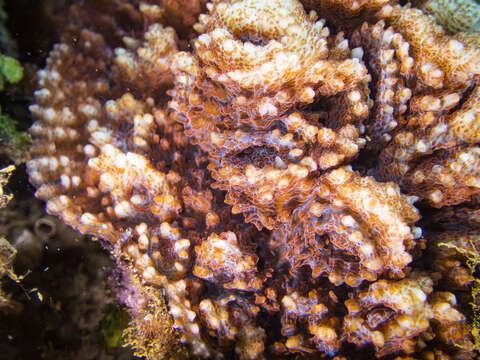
(388, 56)
(346, 14)
(353, 228)
(401, 315)
(218, 175)
(451, 249)
(220, 259)
(237, 96)
(440, 129)
(310, 311)
(453, 165)
(390, 315)
(444, 60)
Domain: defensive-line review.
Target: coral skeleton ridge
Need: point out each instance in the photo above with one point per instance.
(273, 173)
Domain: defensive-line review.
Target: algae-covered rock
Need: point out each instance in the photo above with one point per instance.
(13, 143)
(7, 251)
(10, 69)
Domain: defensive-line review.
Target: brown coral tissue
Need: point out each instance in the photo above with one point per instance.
(285, 175)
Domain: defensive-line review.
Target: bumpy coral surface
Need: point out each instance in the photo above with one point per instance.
(258, 166)
(454, 15)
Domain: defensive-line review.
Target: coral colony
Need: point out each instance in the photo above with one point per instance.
(274, 178)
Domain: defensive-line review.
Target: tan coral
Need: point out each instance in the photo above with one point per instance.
(220, 259)
(350, 5)
(182, 14)
(390, 315)
(441, 60)
(253, 176)
(92, 161)
(265, 59)
(265, 111)
(388, 56)
(218, 315)
(446, 180)
(451, 250)
(450, 325)
(338, 11)
(251, 343)
(353, 229)
(126, 200)
(57, 172)
(148, 65)
(184, 317)
(415, 61)
(234, 98)
(310, 311)
(113, 19)
(442, 131)
(441, 125)
(268, 58)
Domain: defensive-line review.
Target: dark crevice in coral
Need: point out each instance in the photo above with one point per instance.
(465, 96)
(255, 39)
